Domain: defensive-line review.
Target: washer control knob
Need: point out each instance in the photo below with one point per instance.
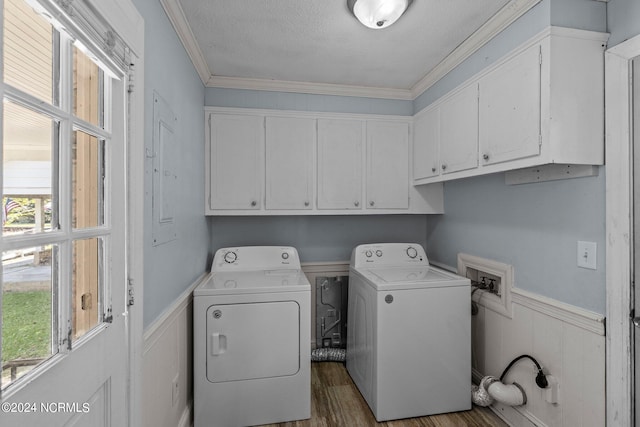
(378, 253)
(230, 257)
(285, 255)
(369, 254)
(412, 252)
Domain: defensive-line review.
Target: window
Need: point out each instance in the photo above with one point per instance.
(56, 232)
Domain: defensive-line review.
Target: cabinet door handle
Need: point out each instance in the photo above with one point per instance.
(444, 167)
(433, 169)
(356, 203)
(253, 203)
(306, 203)
(485, 157)
(371, 203)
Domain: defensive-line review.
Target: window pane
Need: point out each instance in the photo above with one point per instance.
(28, 51)
(88, 170)
(87, 89)
(27, 310)
(30, 203)
(87, 285)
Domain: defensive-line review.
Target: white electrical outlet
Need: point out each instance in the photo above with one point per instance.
(587, 255)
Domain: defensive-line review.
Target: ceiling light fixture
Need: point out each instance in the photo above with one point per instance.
(378, 14)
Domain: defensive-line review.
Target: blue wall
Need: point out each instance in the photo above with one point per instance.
(518, 225)
(319, 238)
(623, 20)
(170, 268)
(534, 227)
(242, 98)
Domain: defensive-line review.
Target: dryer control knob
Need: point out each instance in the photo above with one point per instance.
(369, 254)
(230, 257)
(378, 253)
(412, 252)
(285, 255)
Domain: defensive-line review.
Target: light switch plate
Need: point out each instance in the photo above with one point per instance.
(587, 255)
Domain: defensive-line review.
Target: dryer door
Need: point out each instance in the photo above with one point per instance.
(249, 341)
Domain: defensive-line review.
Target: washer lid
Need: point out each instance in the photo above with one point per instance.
(252, 282)
(391, 278)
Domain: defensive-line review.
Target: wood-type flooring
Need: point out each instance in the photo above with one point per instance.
(336, 402)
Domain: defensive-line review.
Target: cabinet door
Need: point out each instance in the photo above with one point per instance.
(459, 131)
(426, 138)
(236, 161)
(340, 160)
(387, 165)
(289, 162)
(510, 109)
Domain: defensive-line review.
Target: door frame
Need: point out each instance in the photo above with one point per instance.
(619, 230)
(126, 20)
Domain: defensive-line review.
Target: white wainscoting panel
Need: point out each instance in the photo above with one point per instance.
(567, 341)
(167, 361)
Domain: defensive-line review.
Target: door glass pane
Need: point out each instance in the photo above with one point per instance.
(28, 51)
(28, 289)
(87, 285)
(87, 173)
(87, 89)
(29, 196)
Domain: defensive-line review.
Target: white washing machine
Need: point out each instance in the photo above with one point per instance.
(252, 344)
(408, 332)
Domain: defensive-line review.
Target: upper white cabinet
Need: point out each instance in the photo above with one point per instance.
(236, 157)
(340, 157)
(510, 109)
(541, 104)
(264, 162)
(290, 142)
(387, 165)
(426, 137)
(459, 130)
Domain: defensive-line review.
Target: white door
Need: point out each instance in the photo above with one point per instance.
(340, 163)
(426, 139)
(510, 109)
(64, 345)
(236, 161)
(459, 131)
(290, 142)
(387, 165)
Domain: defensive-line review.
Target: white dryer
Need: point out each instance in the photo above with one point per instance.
(409, 332)
(251, 321)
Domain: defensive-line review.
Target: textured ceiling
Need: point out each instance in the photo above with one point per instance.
(320, 41)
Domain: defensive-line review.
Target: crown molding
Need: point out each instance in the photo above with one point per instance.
(306, 87)
(179, 21)
(501, 20)
(507, 15)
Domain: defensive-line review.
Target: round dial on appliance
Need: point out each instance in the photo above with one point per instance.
(369, 254)
(285, 255)
(412, 252)
(230, 257)
(378, 253)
